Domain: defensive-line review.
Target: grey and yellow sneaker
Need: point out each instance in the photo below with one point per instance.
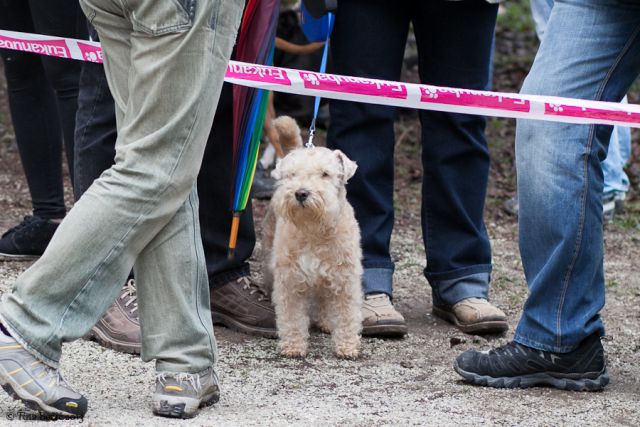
(39, 386)
(180, 395)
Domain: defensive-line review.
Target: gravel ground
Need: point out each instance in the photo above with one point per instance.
(395, 382)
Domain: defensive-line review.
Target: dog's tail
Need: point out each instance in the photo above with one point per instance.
(289, 133)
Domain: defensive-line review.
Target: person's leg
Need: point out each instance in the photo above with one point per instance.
(236, 301)
(616, 182)
(35, 118)
(540, 11)
(174, 303)
(157, 157)
(61, 18)
(560, 175)
(95, 133)
(214, 188)
(368, 40)
(591, 50)
(95, 140)
(455, 160)
(38, 136)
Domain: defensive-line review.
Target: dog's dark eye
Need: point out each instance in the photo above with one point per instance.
(325, 174)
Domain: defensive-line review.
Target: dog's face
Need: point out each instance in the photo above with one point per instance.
(310, 185)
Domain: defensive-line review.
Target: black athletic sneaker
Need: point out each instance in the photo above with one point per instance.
(27, 240)
(515, 365)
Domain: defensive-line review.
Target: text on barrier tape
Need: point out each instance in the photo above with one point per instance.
(408, 95)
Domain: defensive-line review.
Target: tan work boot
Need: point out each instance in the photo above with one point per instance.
(243, 306)
(119, 327)
(380, 318)
(474, 316)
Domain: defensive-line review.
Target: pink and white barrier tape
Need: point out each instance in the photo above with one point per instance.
(408, 95)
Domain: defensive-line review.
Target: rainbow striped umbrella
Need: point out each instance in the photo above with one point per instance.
(255, 44)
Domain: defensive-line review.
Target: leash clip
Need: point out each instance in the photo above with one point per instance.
(312, 132)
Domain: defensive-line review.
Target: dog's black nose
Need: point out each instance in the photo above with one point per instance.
(301, 195)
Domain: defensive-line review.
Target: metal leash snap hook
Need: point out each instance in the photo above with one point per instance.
(312, 132)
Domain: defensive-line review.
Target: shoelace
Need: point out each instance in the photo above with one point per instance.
(26, 221)
(513, 348)
(52, 376)
(181, 378)
(131, 293)
(248, 285)
(508, 349)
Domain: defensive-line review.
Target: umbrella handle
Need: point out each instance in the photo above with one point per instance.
(233, 236)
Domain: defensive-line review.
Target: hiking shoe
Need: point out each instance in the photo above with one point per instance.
(473, 316)
(27, 240)
(380, 318)
(39, 386)
(515, 365)
(119, 327)
(243, 306)
(180, 395)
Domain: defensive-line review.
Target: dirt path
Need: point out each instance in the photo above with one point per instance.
(407, 382)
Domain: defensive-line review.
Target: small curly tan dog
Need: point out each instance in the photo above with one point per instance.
(312, 245)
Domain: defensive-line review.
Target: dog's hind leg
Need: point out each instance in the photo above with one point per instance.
(292, 318)
(268, 232)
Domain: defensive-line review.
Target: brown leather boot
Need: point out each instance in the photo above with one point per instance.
(243, 306)
(119, 327)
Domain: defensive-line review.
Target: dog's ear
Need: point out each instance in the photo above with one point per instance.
(348, 166)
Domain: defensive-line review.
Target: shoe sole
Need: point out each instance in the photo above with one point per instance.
(479, 328)
(11, 257)
(163, 408)
(537, 380)
(233, 324)
(120, 346)
(14, 390)
(385, 330)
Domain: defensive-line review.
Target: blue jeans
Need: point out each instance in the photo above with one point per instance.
(368, 40)
(591, 50)
(619, 152)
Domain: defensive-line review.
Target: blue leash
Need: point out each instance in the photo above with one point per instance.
(323, 68)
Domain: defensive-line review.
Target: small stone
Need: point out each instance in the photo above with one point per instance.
(406, 364)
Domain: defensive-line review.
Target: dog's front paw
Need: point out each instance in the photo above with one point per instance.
(293, 351)
(347, 352)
